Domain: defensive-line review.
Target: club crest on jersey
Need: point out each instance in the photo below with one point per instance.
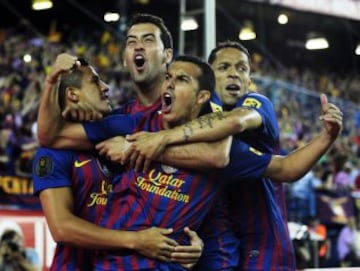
(43, 166)
(168, 169)
(251, 102)
(215, 107)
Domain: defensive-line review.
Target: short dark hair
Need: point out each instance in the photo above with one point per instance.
(141, 18)
(228, 44)
(8, 235)
(207, 77)
(70, 79)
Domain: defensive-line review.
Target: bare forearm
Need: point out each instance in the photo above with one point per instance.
(49, 115)
(214, 126)
(198, 155)
(78, 232)
(295, 165)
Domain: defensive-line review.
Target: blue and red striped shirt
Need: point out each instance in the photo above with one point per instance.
(254, 209)
(90, 182)
(164, 197)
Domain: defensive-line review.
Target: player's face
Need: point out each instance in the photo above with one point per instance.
(232, 74)
(94, 91)
(145, 56)
(180, 93)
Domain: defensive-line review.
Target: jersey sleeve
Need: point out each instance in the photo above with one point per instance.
(265, 108)
(246, 162)
(114, 125)
(51, 168)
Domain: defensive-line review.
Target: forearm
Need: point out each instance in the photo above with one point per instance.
(71, 136)
(214, 126)
(198, 155)
(295, 165)
(76, 231)
(49, 119)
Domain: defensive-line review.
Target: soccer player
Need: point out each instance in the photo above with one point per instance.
(74, 188)
(276, 168)
(258, 221)
(148, 50)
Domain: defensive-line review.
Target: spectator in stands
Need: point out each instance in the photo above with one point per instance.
(318, 233)
(302, 200)
(342, 181)
(13, 254)
(348, 245)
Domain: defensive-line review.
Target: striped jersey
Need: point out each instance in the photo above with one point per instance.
(164, 197)
(90, 181)
(258, 237)
(257, 217)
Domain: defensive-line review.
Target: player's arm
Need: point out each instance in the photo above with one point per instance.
(65, 227)
(201, 155)
(210, 127)
(50, 121)
(299, 162)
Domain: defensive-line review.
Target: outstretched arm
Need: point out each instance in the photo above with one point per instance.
(210, 127)
(299, 162)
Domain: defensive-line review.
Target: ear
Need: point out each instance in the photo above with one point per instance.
(123, 57)
(72, 94)
(250, 81)
(168, 55)
(203, 96)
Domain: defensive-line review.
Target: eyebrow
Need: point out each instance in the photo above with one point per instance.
(143, 36)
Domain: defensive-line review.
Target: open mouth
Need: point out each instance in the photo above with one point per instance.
(233, 88)
(139, 61)
(166, 102)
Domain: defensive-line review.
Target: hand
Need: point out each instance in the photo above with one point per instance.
(63, 63)
(81, 112)
(146, 147)
(154, 243)
(188, 256)
(113, 148)
(331, 117)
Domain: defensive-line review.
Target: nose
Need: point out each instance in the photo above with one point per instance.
(169, 83)
(104, 87)
(139, 45)
(233, 72)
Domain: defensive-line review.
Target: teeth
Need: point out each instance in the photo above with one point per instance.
(139, 60)
(233, 87)
(167, 99)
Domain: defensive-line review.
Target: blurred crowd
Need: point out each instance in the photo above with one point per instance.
(333, 183)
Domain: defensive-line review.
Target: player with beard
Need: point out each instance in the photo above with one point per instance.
(148, 51)
(280, 168)
(74, 188)
(257, 221)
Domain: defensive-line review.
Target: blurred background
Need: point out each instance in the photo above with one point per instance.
(299, 49)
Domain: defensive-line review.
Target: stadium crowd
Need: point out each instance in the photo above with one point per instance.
(25, 60)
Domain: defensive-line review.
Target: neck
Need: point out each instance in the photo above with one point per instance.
(193, 115)
(149, 92)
